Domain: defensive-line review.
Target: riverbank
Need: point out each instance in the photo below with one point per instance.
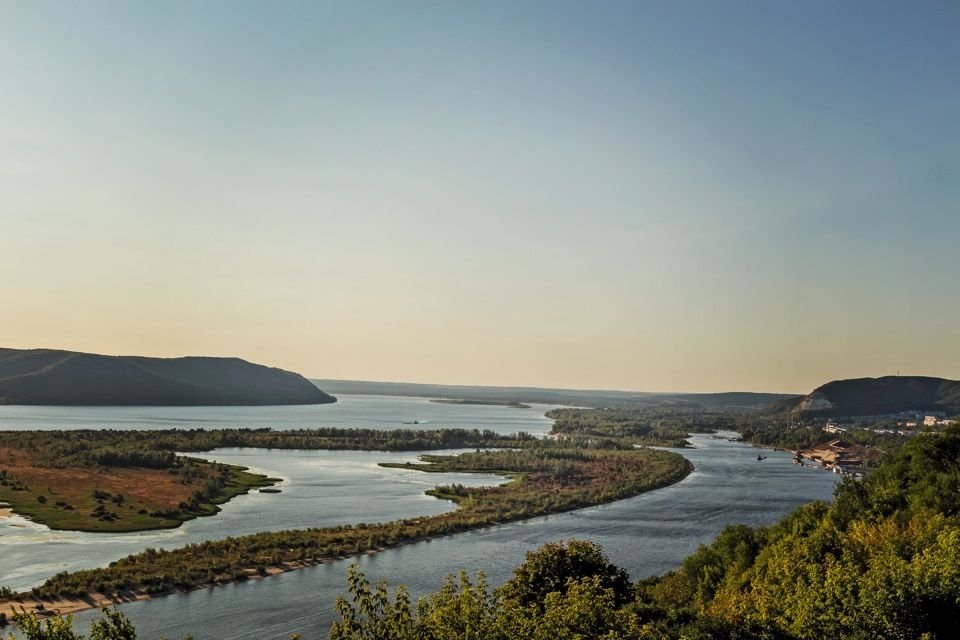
(831, 457)
(602, 477)
(491, 403)
(66, 605)
(112, 482)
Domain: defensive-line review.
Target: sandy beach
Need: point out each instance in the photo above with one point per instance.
(64, 606)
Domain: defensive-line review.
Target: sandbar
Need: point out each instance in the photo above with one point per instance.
(63, 605)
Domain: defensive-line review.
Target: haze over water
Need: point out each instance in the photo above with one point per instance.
(371, 412)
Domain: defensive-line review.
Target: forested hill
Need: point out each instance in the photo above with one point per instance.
(875, 396)
(54, 377)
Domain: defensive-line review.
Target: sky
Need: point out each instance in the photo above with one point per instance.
(644, 195)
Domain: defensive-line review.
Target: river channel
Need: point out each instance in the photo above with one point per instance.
(648, 534)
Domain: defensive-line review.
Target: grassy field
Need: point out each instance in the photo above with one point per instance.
(115, 498)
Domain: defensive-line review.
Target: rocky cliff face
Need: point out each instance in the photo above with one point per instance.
(876, 396)
(816, 401)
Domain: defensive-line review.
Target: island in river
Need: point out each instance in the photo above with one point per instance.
(135, 491)
(493, 403)
(547, 478)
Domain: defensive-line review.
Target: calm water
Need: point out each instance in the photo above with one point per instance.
(373, 412)
(648, 534)
(320, 488)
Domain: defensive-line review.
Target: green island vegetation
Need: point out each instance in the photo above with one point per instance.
(69, 482)
(544, 480)
(881, 561)
(112, 480)
(513, 404)
(83, 445)
(655, 426)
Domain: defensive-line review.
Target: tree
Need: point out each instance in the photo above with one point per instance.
(53, 628)
(370, 615)
(113, 626)
(461, 610)
(549, 568)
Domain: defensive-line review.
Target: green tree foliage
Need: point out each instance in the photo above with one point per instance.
(553, 566)
(463, 610)
(155, 449)
(113, 625)
(883, 561)
(370, 614)
(583, 609)
(545, 481)
(579, 605)
(662, 426)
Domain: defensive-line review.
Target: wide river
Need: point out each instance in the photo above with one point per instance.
(648, 534)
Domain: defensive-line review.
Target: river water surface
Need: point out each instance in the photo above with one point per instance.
(648, 534)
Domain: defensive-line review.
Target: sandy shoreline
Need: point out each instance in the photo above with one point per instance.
(65, 605)
(93, 600)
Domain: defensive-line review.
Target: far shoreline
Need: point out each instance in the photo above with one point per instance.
(511, 404)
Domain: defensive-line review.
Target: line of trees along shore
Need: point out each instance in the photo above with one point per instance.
(544, 481)
(71, 479)
(881, 561)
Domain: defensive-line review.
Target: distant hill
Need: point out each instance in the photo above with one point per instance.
(875, 396)
(745, 401)
(54, 377)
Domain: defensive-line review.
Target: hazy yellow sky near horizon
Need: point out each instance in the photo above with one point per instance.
(641, 196)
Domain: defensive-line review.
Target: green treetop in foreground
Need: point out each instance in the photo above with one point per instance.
(113, 625)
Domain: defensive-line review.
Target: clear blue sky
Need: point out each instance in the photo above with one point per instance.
(690, 196)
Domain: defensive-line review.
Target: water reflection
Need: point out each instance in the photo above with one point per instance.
(648, 534)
